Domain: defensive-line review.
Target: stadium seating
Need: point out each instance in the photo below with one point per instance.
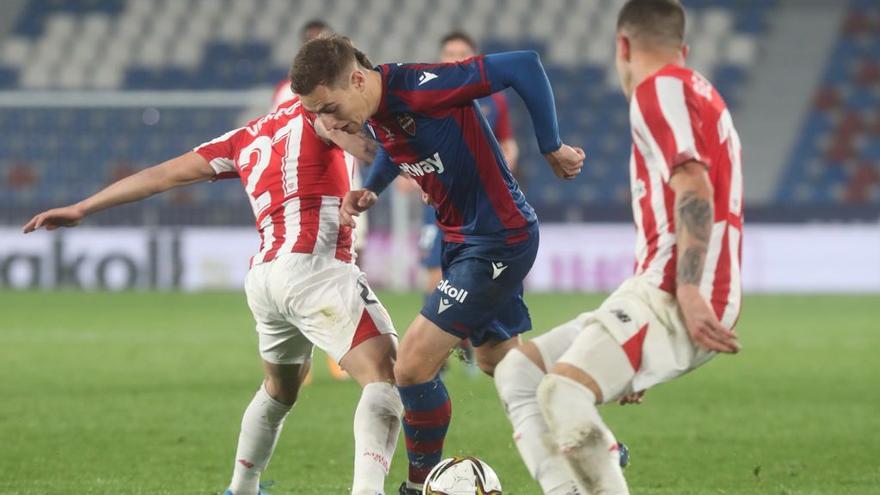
(216, 44)
(58, 156)
(836, 159)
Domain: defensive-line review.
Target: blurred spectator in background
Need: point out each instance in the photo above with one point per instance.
(21, 176)
(310, 31)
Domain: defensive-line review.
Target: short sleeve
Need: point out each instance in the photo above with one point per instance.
(429, 87)
(220, 152)
(669, 111)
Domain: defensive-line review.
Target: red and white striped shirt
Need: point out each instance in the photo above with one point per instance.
(294, 181)
(677, 116)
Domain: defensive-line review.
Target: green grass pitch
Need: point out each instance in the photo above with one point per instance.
(142, 393)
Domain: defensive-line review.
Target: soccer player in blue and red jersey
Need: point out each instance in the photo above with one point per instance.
(430, 128)
(457, 46)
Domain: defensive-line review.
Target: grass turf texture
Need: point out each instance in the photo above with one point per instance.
(142, 393)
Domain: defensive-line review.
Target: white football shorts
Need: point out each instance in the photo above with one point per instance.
(635, 340)
(301, 300)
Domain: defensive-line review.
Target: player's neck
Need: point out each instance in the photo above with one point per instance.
(374, 91)
(647, 63)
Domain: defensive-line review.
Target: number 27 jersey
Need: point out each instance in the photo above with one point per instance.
(293, 179)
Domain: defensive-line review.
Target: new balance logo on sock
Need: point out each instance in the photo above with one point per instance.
(381, 459)
(426, 76)
(497, 268)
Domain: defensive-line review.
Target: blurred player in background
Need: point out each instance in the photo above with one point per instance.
(302, 286)
(309, 31)
(282, 95)
(459, 46)
(680, 308)
(430, 127)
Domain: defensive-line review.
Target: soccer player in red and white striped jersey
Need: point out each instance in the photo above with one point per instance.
(302, 287)
(295, 194)
(681, 125)
(282, 95)
(679, 309)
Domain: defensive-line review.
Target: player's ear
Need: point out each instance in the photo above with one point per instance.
(358, 79)
(685, 49)
(623, 47)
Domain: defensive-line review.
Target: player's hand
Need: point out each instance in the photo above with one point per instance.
(334, 136)
(67, 216)
(633, 398)
(354, 203)
(566, 162)
(702, 324)
(406, 184)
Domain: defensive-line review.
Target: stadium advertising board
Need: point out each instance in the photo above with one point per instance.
(778, 258)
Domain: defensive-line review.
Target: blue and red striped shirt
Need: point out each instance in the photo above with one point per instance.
(431, 128)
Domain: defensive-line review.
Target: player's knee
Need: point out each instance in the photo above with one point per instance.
(488, 367)
(371, 361)
(517, 377)
(562, 409)
(490, 355)
(283, 382)
(282, 390)
(408, 373)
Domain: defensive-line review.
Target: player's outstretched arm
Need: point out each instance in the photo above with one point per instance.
(523, 72)
(694, 218)
(185, 169)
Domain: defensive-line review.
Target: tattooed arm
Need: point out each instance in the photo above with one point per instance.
(694, 217)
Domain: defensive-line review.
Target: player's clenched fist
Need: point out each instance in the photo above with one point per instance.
(354, 203)
(68, 216)
(566, 162)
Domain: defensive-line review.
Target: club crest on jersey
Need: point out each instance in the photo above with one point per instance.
(407, 123)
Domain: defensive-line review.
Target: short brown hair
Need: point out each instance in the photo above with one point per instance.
(324, 60)
(657, 21)
(460, 36)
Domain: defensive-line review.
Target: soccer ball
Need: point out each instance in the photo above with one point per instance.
(462, 476)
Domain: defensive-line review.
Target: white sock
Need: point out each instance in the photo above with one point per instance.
(376, 427)
(517, 379)
(587, 445)
(260, 427)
